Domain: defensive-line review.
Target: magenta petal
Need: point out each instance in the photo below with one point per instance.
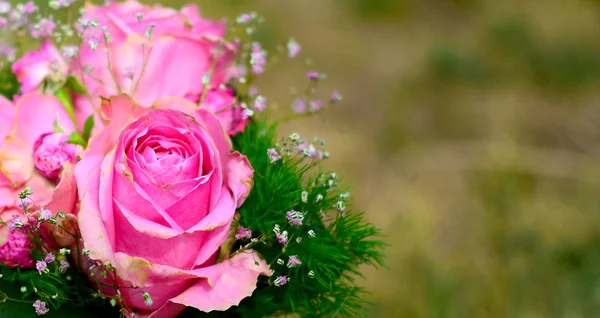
(155, 243)
(128, 193)
(193, 208)
(218, 222)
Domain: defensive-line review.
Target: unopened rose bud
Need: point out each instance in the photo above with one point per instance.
(50, 151)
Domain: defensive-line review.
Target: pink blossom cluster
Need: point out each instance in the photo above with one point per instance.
(125, 140)
(155, 110)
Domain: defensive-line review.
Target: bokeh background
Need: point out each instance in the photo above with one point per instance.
(470, 134)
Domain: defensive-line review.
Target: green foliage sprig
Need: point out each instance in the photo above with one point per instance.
(332, 242)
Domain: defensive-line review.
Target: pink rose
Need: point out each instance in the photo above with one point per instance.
(15, 247)
(223, 104)
(50, 151)
(158, 195)
(174, 49)
(36, 66)
(33, 116)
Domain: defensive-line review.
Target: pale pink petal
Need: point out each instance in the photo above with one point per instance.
(5, 216)
(16, 162)
(174, 67)
(65, 193)
(215, 287)
(7, 116)
(116, 113)
(201, 26)
(184, 73)
(239, 177)
(36, 114)
(177, 103)
(35, 66)
(84, 108)
(226, 285)
(90, 221)
(8, 196)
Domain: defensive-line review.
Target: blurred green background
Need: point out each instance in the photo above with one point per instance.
(469, 131)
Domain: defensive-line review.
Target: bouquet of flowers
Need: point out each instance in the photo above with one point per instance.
(138, 176)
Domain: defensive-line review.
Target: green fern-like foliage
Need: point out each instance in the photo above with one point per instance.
(324, 284)
(66, 294)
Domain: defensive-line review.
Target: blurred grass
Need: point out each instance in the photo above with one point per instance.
(470, 129)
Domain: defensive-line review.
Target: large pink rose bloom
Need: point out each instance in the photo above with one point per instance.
(158, 195)
(179, 50)
(22, 129)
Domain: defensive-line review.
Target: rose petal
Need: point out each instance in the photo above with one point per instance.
(36, 114)
(116, 112)
(215, 287)
(65, 193)
(7, 115)
(96, 228)
(35, 66)
(239, 177)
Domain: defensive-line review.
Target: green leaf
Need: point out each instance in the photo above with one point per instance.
(76, 139)
(9, 85)
(64, 97)
(339, 245)
(87, 128)
(75, 85)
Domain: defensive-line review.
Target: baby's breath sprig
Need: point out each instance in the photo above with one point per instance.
(53, 282)
(310, 236)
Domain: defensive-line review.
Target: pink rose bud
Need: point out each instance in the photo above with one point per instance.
(15, 251)
(50, 151)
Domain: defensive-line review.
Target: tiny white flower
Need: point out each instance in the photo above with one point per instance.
(304, 196)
